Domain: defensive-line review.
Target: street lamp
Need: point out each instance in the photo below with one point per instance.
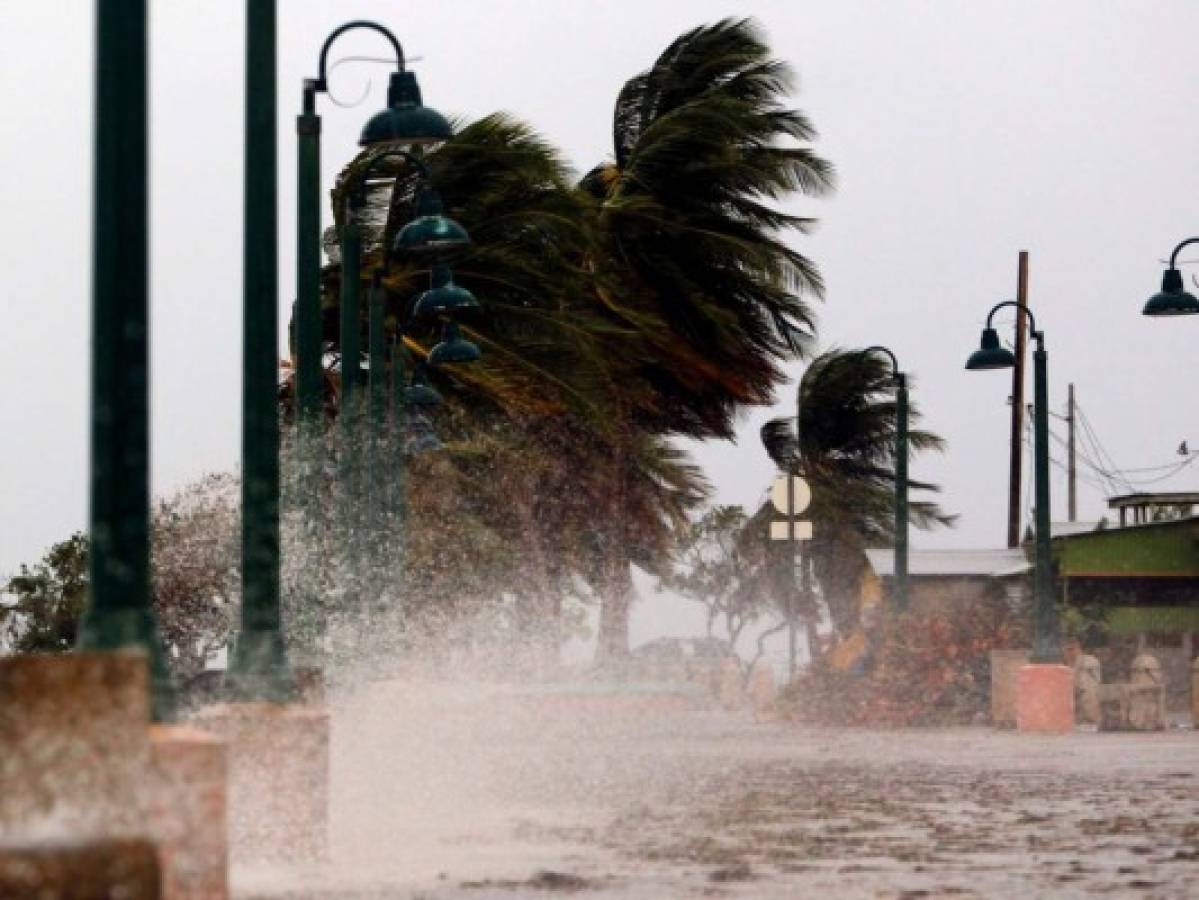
(901, 478)
(1172, 300)
(1046, 646)
(404, 121)
(119, 612)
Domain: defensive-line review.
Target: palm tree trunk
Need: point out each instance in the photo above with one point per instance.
(613, 645)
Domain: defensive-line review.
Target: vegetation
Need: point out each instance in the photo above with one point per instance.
(658, 296)
(842, 441)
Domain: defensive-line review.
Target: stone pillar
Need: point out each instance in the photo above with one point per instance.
(74, 729)
(1045, 699)
(1004, 665)
(186, 812)
(1146, 695)
(99, 869)
(1086, 689)
(278, 796)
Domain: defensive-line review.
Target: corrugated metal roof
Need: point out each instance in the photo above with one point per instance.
(999, 563)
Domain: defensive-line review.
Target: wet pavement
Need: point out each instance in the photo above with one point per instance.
(455, 792)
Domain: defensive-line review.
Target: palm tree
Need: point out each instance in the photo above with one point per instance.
(842, 441)
(690, 252)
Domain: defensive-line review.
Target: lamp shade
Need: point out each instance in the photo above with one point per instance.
(444, 298)
(1171, 300)
(406, 120)
(453, 348)
(419, 393)
(430, 232)
(990, 355)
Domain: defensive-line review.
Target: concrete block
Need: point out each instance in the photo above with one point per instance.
(80, 870)
(74, 729)
(278, 794)
(1045, 699)
(1087, 679)
(186, 806)
(1004, 665)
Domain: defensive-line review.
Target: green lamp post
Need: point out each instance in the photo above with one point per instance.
(1046, 646)
(430, 234)
(258, 669)
(1172, 299)
(405, 121)
(119, 613)
(901, 478)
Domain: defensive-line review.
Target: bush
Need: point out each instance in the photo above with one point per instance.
(924, 668)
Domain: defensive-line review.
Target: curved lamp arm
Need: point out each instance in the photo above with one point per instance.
(1174, 255)
(1037, 335)
(357, 195)
(321, 83)
(897, 375)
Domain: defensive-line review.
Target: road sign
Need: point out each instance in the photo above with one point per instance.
(790, 496)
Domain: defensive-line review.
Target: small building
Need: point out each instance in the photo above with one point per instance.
(1140, 585)
(942, 578)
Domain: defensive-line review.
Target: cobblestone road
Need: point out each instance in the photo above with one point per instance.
(456, 793)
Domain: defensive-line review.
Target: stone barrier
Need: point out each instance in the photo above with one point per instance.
(76, 745)
(278, 776)
(1004, 665)
(1147, 694)
(186, 812)
(80, 870)
(1045, 699)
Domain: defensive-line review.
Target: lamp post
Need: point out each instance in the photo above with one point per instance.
(1172, 300)
(901, 478)
(404, 121)
(119, 611)
(429, 235)
(1046, 646)
(258, 669)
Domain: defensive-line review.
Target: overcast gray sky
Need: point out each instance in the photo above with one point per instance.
(962, 132)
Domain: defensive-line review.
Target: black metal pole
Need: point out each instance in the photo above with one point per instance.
(259, 667)
(119, 612)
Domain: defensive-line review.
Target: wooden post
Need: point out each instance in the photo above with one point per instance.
(1013, 522)
(1072, 484)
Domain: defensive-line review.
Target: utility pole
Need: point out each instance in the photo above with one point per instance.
(1072, 489)
(1013, 510)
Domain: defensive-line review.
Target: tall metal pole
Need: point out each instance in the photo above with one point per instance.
(119, 612)
(901, 492)
(347, 414)
(1017, 452)
(377, 398)
(1072, 484)
(259, 667)
(308, 262)
(795, 561)
(1046, 644)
